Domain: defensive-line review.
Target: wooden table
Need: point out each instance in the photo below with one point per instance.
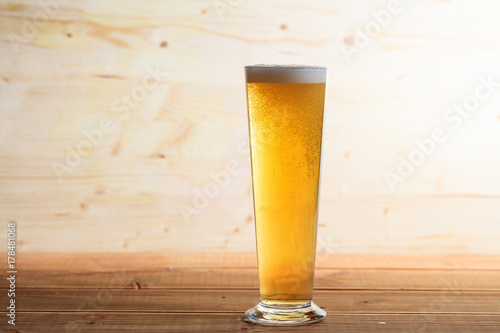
(210, 292)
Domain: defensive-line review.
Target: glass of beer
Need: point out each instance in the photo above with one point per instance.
(285, 116)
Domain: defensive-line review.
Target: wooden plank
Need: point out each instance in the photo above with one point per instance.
(178, 322)
(190, 271)
(200, 278)
(237, 301)
(105, 270)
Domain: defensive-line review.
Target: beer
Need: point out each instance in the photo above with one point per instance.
(285, 113)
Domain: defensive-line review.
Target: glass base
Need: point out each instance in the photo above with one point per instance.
(285, 315)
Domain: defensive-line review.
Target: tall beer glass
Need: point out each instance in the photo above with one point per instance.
(285, 115)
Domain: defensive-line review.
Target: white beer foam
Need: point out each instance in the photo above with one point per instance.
(285, 74)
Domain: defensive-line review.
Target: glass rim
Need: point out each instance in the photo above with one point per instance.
(285, 67)
(285, 74)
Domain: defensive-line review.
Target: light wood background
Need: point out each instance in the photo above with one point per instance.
(63, 76)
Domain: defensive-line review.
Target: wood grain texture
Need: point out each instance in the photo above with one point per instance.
(239, 270)
(210, 304)
(243, 278)
(62, 76)
(224, 300)
(174, 322)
